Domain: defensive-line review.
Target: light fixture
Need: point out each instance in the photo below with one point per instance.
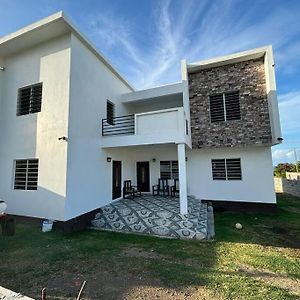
(186, 159)
(63, 138)
(153, 159)
(2, 68)
(108, 159)
(280, 139)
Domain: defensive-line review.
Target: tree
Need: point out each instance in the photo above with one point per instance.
(281, 169)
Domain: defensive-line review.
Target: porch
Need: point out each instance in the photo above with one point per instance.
(158, 216)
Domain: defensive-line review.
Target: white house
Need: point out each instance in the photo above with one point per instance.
(72, 129)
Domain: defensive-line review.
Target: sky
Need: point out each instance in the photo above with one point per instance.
(146, 39)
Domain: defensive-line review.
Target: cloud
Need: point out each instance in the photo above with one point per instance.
(194, 30)
(283, 155)
(289, 108)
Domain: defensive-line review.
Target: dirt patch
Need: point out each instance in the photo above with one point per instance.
(275, 279)
(146, 292)
(139, 252)
(106, 285)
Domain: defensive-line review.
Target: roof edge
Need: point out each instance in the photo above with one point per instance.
(73, 28)
(229, 59)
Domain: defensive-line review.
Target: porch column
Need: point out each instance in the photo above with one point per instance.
(182, 179)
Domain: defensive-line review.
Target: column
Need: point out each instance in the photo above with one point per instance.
(182, 179)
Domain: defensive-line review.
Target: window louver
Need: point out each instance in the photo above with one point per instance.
(29, 99)
(232, 104)
(234, 171)
(110, 112)
(225, 107)
(26, 174)
(226, 169)
(169, 169)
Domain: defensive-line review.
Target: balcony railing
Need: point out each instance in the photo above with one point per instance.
(123, 125)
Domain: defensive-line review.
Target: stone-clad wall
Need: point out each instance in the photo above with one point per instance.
(253, 128)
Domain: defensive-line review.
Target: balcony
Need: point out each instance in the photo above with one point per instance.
(147, 128)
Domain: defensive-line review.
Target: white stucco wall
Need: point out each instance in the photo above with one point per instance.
(89, 174)
(257, 172)
(36, 135)
(257, 175)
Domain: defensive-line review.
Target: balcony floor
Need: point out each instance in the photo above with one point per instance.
(155, 215)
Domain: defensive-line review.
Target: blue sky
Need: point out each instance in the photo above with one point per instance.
(146, 39)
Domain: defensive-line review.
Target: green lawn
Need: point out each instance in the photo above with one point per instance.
(261, 261)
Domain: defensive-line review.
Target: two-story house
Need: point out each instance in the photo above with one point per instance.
(72, 129)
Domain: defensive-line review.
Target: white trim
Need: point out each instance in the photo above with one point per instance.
(228, 59)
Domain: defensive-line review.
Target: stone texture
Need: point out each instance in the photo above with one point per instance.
(253, 128)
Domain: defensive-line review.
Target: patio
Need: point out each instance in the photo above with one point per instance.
(157, 216)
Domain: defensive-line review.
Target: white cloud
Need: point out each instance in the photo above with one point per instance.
(194, 30)
(289, 108)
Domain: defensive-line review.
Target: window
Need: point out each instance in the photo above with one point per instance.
(226, 169)
(29, 99)
(169, 169)
(110, 112)
(26, 174)
(225, 107)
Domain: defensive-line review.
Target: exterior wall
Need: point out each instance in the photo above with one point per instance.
(254, 127)
(89, 174)
(256, 162)
(289, 186)
(199, 174)
(293, 175)
(1, 84)
(36, 135)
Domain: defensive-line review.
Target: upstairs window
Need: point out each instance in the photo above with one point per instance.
(29, 99)
(169, 169)
(225, 107)
(226, 169)
(26, 174)
(110, 112)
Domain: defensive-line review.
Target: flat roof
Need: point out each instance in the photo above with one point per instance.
(48, 28)
(228, 59)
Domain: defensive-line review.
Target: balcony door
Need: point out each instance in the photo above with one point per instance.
(116, 179)
(143, 176)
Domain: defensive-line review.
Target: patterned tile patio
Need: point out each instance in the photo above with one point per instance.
(154, 215)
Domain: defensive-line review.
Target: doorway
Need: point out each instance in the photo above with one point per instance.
(143, 176)
(116, 179)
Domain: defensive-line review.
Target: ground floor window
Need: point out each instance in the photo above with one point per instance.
(169, 169)
(26, 174)
(226, 169)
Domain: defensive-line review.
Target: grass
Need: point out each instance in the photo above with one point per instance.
(261, 261)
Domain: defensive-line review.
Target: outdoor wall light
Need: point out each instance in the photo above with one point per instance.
(63, 138)
(108, 159)
(153, 159)
(280, 139)
(186, 159)
(2, 68)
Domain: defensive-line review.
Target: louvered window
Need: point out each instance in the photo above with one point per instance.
(225, 107)
(226, 169)
(110, 112)
(26, 174)
(29, 99)
(169, 169)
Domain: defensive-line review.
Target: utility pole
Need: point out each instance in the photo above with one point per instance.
(296, 159)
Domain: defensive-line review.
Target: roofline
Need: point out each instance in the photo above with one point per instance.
(61, 16)
(229, 59)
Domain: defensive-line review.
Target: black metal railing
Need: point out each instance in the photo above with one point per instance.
(122, 125)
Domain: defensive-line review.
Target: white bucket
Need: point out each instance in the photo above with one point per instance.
(47, 225)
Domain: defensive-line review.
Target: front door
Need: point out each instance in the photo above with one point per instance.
(116, 179)
(142, 170)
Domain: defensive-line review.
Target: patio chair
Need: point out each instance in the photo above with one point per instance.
(162, 188)
(129, 191)
(175, 188)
